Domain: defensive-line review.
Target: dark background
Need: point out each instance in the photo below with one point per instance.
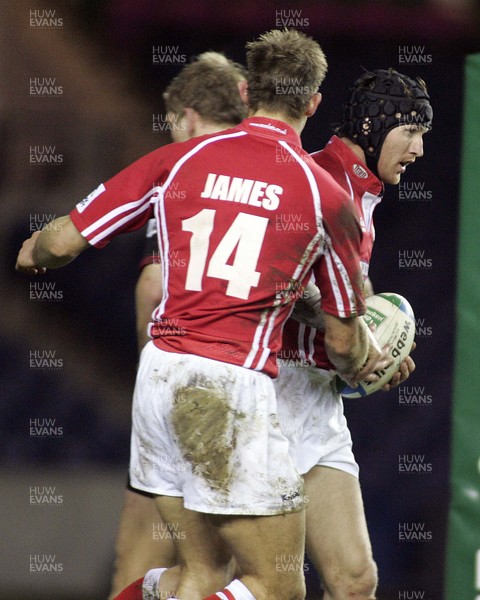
(96, 313)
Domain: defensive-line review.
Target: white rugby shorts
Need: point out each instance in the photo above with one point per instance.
(311, 417)
(208, 431)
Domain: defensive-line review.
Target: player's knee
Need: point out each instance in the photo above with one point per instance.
(364, 581)
(295, 590)
(358, 579)
(280, 588)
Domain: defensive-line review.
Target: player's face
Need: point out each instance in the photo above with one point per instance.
(402, 146)
(178, 127)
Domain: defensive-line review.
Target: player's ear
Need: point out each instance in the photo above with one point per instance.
(243, 90)
(191, 119)
(313, 104)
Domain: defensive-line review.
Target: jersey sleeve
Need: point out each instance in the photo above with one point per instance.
(338, 273)
(122, 204)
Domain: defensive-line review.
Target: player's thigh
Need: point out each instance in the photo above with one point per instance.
(336, 529)
(206, 561)
(269, 551)
(141, 525)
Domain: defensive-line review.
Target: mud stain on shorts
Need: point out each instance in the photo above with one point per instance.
(206, 428)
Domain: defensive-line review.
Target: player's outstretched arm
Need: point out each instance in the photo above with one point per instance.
(56, 245)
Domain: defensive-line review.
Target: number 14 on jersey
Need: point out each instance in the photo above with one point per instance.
(244, 237)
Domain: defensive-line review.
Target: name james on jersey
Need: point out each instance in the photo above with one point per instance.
(245, 191)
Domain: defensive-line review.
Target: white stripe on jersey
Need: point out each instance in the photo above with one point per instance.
(369, 202)
(164, 244)
(114, 213)
(117, 224)
(345, 279)
(332, 258)
(300, 342)
(221, 595)
(335, 287)
(352, 195)
(263, 359)
(256, 339)
(266, 350)
(159, 212)
(302, 351)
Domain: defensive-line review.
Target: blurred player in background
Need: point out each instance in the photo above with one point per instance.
(203, 98)
(310, 411)
(204, 398)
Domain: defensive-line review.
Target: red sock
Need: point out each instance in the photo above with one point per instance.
(132, 592)
(225, 594)
(235, 590)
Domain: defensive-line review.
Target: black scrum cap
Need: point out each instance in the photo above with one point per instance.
(378, 102)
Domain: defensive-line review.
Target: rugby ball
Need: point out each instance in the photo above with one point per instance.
(393, 322)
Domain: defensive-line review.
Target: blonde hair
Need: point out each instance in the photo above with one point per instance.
(209, 85)
(284, 70)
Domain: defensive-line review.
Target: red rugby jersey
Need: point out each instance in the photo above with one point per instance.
(243, 216)
(303, 345)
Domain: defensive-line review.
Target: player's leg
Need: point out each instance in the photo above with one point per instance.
(311, 416)
(337, 540)
(206, 564)
(206, 431)
(140, 545)
(269, 551)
